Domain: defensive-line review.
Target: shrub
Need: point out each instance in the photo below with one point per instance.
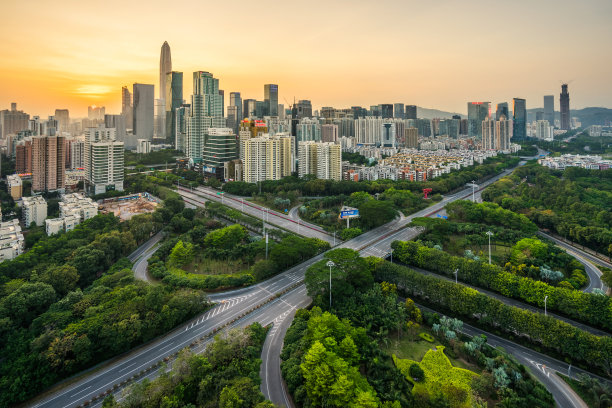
(427, 337)
(416, 372)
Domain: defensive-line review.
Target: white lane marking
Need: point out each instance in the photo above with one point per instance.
(165, 347)
(125, 368)
(80, 392)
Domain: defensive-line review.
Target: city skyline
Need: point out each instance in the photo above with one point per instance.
(47, 67)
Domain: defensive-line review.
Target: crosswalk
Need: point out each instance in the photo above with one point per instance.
(224, 305)
(278, 320)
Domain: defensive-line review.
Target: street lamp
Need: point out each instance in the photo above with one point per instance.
(377, 194)
(545, 298)
(330, 264)
(334, 238)
(489, 233)
(456, 273)
(473, 185)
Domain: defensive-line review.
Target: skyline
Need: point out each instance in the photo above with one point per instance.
(411, 53)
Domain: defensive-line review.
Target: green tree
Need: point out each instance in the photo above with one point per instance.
(225, 238)
(63, 278)
(374, 213)
(181, 254)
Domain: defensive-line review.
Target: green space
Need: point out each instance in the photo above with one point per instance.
(225, 375)
(343, 356)
(356, 158)
(71, 301)
(162, 156)
(595, 393)
(583, 143)
(575, 203)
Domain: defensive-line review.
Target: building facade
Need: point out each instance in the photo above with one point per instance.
(564, 106)
(143, 112)
(103, 160)
(519, 122)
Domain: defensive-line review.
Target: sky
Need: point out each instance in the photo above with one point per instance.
(435, 54)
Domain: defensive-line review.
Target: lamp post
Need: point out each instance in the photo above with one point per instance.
(377, 194)
(242, 208)
(334, 238)
(330, 264)
(456, 273)
(545, 298)
(473, 189)
(489, 233)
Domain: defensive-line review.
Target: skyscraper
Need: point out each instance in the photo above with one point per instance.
(103, 160)
(12, 121)
(329, 133)
(411, 112)
(63, 118)
(398, 111)
(271, 99)
(386, 110)
(220, 147)
(165, 66)
(250, 108)
(143, 112)
(519, 123)
(304, 109)
(477, 112)
(48, 163)
(126, 107)
(564, 107)
(174, 100)
(324, 160)
(502, 109)
(267, 157)
(236, 100)
(549, 109)
(205, 113)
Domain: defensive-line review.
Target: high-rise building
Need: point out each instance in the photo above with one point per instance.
(329, 133)
(174, 100)
(236, 100)
(220, 147)
(222, 95)
(96, 113)
(143, 111)
(249, 129)
(564, 107)
(205, 113)
(103, 160)
(519, 123)
(411, 112)
(117, 122)
(48, 162)
(424, 127)
(386, 110)
(398, 111)
(232, 118)
(181, 114)
(12, 121)
(387, 135)
(308, 130)
(324, 160)
(411, 138)
(496, 134)
(63, 119)
(260, 109)
(267, 158)
(77, 154)
(477, 112)
(23, 156)
(165, 66)
(34, 210)
(271, 99)
(502, 109)
(368, 130)
(549, 109)
(304, 109)
(539, 115)
(359, 112)
(15, 186)
(543, 130)
(249, 109)
(488, 134)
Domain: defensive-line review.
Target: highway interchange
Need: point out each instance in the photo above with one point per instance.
(261, 303)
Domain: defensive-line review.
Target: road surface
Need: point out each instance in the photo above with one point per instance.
(140, 257)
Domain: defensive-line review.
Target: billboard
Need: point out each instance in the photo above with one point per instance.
(347, 212)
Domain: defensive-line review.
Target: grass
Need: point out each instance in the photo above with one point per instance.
(499, 252)
(440, 375)
(205, 266)
(576, 385)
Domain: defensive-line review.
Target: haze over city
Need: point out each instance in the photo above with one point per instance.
(433, 55)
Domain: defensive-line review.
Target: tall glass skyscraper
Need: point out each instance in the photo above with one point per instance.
(519, 124)
(549, 109)
(502, 109)
(398, 111)
(271, 99)
(477, 112)
(564, 107)
(236, 100)
(143, 112)
(411, 112)
(174, 100)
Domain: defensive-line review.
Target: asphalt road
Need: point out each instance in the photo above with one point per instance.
(141, 255)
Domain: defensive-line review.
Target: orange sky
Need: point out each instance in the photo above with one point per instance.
(438, 54)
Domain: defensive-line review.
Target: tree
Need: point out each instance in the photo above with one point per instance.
(225, 238)
(63, 278)
(416, 372)
(181, 254)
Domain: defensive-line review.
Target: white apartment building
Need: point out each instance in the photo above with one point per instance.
(103, 160)
(267, 157)
(15, 186)
(74, 209)
(34, 210)
(143, 146)
(324, 160)
(12, 243)
(368, 130)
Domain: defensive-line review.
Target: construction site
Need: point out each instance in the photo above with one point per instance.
(128, 206)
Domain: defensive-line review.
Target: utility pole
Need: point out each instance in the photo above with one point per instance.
(545, 298)
(456, 273)
(330, 264)
(489, 233)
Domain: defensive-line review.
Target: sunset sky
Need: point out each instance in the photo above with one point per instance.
(437, 54)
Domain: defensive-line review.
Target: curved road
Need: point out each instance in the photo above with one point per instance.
(140, 257)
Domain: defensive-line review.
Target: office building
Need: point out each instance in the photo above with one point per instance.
(161, 104)
(324, 160)
(232, 118)
(450, 128)
(387, 135)
(15, 186)
(34, 210)
(249, 109)
(308, 129)
(236, 100)
(304, 109)
(12, 121)
(222, 95)
(260, 109)
(103, 160)
(502, 109)
(424, 127)
(126, 107)
(549, 109)
(143, 112)
(220, 147)
(205, 113)
(271, 99)
(48, 162)
(539, 115)
(182, 114)
(564, 106)
(63, 120)
(329, 133)
(12, 243)
(477, 112)
(117, 122)
(411, 138)
(174, 100)
(411, 112)
(399, 111)
(519, 123)
(96, 113)
(386, 110)
(268, 158)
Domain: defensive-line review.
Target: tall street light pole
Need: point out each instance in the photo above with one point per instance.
(545, 298)
(489, 233)
(330, 264)
(473, 188)
(456, 273)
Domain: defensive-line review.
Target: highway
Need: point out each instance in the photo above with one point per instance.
(141, 255)
(260, 302)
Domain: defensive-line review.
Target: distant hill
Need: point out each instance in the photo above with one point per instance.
(426, 113)
(588, 116)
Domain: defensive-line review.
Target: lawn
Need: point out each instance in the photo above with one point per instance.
(499, 252)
